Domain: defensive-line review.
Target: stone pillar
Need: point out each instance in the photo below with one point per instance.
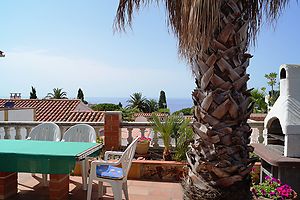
(8, 184)
(112, 130)
(59, 186)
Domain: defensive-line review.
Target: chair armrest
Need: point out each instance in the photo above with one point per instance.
(115, 153)
(103, 162)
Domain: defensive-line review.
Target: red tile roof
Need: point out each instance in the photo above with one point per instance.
(64, 110)
(150, 114)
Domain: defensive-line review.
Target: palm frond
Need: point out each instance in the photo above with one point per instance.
(194, 22)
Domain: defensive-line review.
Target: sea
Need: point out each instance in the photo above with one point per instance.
(173, 104)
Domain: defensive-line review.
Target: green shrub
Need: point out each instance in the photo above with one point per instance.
(105, 107)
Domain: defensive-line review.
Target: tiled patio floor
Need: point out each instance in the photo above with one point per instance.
(31, 189)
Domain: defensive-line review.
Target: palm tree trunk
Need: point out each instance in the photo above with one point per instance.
(219, 157)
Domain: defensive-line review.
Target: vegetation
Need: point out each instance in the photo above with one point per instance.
(137, 101)
(58, 93)
(273, 94)
(151, 105)
(165, 130)
(162, 102)
(33, 93)
(164, 110)
(105, 107)
(128, 113)
(213, 37)
(184, 111)
(258, 98)
(176, 127)
(185, 138)
(80, 96)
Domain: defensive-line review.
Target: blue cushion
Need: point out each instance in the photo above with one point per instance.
(108, 171)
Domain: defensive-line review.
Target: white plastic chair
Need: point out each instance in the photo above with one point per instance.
(81, 133)
(47, 131)
(101, 170)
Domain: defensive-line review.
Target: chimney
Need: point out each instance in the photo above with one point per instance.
(15, 95)
(282, 123)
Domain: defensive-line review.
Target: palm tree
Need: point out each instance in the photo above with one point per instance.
(151, 105)
(213, 36)
(258, 97)
(137, 101)
(58, 93)
(165, 130)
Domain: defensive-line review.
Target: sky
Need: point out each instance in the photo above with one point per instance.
(71, 44)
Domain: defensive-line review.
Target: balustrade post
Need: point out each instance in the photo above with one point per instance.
(260, 136)
(28, 130)
(155, 140)
(18, 133)
(7, 133)
(97, 130)
(143, 132)
(130, 138)
(62, 130)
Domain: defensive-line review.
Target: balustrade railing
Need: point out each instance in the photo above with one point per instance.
(20, 130)
(133, 129)
(130, 130)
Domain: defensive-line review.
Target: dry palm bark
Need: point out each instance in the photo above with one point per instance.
(219, 156)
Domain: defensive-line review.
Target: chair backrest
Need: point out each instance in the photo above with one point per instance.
(47, 131)
(126, 158)
(80, 133)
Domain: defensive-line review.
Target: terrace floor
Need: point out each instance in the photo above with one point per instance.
(30, 188)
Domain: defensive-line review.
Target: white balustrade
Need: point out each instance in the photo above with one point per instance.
(20, 130)
(132, 129)
(144, 127)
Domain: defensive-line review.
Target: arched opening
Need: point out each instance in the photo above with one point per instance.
(282, 74)
(275, 134)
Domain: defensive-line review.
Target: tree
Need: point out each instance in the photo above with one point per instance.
(128, 113)
(105, 107)
(258, 97)
(120, 105)
(272, 79)
(33, 93)
(137, 101)
(184, 111)
(58, 93)
(80, 96)
(273, 94)
(213, 37)
(162, 102)
(151, 105)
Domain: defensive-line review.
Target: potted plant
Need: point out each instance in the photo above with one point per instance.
(272, 188)
(143, 145)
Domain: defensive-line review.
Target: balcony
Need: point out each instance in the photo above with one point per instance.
(29, 187)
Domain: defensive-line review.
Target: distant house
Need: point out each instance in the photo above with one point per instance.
(58, 110)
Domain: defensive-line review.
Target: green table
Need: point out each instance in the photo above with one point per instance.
(45, 157)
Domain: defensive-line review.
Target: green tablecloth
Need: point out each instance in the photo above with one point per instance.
(40, 156)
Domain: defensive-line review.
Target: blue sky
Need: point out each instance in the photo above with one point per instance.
(71, 44)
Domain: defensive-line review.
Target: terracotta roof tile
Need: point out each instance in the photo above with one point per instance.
(57, 109)
(150, 114)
